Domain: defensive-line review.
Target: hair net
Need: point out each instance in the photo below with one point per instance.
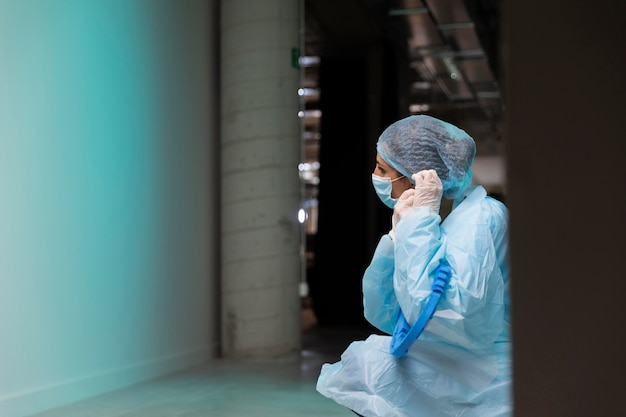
(421, 142)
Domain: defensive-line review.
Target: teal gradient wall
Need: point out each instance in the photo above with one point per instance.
(107, 184)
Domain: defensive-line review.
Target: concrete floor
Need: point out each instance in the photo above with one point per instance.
(234, 388)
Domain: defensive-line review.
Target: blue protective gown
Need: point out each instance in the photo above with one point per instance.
(460, 365)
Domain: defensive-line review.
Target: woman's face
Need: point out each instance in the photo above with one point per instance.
(401, 183)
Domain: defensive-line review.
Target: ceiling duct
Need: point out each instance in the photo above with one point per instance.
(450, 47)
(454, 73)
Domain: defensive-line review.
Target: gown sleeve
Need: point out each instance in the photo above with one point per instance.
(379, 300)
(471, 311)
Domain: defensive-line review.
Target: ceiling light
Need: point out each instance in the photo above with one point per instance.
(308, 92)
(419, 108)
(422, 85)
(310, 113)
(454, 71)
(404, 12)
(308, 61)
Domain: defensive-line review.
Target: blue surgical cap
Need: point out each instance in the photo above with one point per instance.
(421, 142)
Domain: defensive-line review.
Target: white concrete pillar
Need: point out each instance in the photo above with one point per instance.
(260, 148)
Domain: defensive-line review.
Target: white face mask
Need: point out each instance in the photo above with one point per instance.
(383, 187)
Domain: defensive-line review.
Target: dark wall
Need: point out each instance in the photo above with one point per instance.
(566, 180)
(358, 99)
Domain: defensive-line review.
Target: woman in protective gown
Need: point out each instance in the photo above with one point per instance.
(460, 364)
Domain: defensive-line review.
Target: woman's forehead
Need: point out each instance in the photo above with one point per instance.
(381, 161)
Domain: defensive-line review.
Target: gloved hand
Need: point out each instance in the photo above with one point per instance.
(402, 207)
(428, 190)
